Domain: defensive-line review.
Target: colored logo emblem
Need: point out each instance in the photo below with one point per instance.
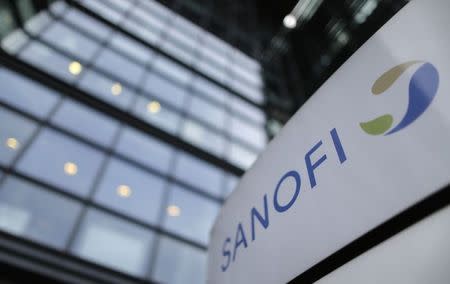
(423, 87)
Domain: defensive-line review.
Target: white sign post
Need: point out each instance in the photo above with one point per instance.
(372, 141)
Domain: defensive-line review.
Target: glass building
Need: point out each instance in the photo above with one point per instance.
(124, 127)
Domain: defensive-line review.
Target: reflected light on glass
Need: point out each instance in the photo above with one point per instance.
(173, 211)
(75, 68)
(124, 191)
(12, 143)
(116, 89)
(290, 21)
(70, 168)
(153, 107)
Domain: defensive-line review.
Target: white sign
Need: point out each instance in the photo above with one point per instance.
(372, 141)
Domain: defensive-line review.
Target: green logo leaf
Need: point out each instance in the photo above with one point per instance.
(378, 126)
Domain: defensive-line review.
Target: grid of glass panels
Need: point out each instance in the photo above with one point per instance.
(84, 182)
(62, 171)
(127, 74)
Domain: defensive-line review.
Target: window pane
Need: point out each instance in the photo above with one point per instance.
(213, 57)
(241, 156)
(106, 89)
(132, 48)
(216, 44)
(36, 24)
(58, 8)
(103, 9)
(69, 40)
(147, 20)
(115, 243)
(165, 90)
(199, 174)
(145, 149)
(26, 94)
(157, 114)
(156, 8)
(203, 137)
(87, 24)
(190, 215)
(207, 112)
(253, 93)
(252, 77)
(86, 122)
(49, 60)
(178, 263)
(135, 28)
(252, 135)
(243, 60)
(114, 63)
(14, 41)
(172, 70)
(119, 4)
(242, 107)
(178, 35)
(32, 212)
(178, 51)
(15, 132)
(230, 184)
(211, 70)
(210, 90)
(63, 162)
(187, 28)
(132, 191)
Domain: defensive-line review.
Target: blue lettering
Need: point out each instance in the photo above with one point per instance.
(276, 204)
(338, 146)
(227, 254)
(310, 167)
(238, 241)
(262, 217)
(264, 221)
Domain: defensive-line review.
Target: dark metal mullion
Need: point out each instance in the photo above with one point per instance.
(15, 12)
(162, 215)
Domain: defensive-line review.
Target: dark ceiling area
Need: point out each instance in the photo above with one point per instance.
(296, 61)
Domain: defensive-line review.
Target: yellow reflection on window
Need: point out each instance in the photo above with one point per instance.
(153, 107)
(116, 89)
(173, 211)
(12, 143)
(70, 168)
(124, 191)
(75, 68)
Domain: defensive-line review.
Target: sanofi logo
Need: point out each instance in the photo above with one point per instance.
(423, 87)
(284, 194)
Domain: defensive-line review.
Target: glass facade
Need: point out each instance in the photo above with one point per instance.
(84, 177)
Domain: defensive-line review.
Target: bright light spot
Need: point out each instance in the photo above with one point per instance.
(124, 191)
(75, 68)
(290, 21)
(12, 143)
(116, 89)
(173, 211)
(70, 168)
(153, 107)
